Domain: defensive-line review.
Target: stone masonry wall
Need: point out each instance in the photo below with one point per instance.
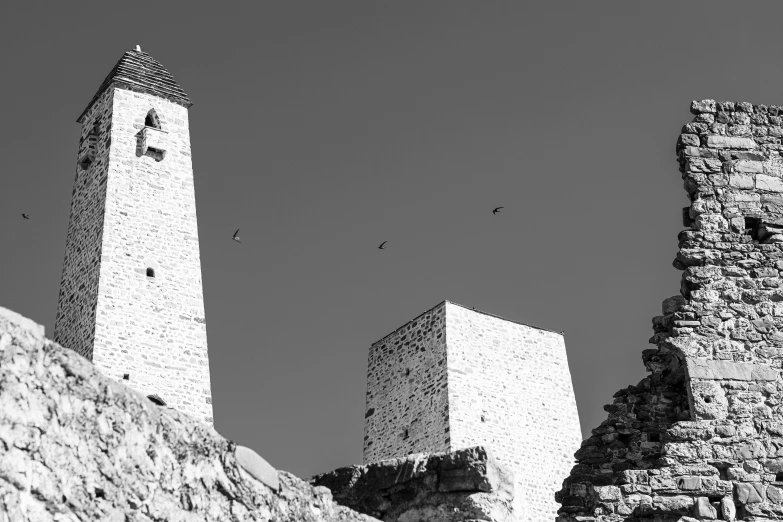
(702, 436)
(510, 389)
(149, 332)
(468, 484)
(505, 386)
(76, 446)
(407, 408)
(76, 307)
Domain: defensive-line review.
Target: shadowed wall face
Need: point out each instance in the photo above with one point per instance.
(508, 387)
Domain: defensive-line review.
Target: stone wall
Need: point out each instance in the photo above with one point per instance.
(134, 214)
(76, 445)
(75, 320)
(702, 436)
(507, 385)
(468, 484)
(407, 407)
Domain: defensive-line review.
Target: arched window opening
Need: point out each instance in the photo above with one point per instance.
(150, 272)
(152, 119)
(156, 400)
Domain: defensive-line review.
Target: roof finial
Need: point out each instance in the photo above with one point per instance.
(138, 48)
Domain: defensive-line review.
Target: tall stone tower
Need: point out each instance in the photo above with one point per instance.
(454, 378)
(131, 298)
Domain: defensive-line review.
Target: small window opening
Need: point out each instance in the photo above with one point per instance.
(407, 371)
(778, 477)
(405, 434)
(150, 272)
(125, 376)
(152, 120)
(483, 419)
(653, 437)
(156, 400)
(624, 438)
(99, 493)
(723, 473)
(752, 227)
(708, 399)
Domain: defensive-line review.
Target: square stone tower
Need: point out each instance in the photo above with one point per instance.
(454, 378)
(130, 296)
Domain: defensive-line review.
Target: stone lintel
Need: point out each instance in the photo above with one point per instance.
(709, 369)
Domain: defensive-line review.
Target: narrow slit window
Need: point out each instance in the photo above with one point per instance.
(126, 377)
(150, 272)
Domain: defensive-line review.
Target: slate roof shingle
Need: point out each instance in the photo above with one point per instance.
(140, 72)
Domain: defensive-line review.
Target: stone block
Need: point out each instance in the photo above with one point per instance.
(257, 467)
(703, 106)
(729, 142)
(769, 183)
(709, 369)
(703, 509)
(747, 493)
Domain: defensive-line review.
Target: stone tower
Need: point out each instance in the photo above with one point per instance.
(454, 378)
(701, 437)
(130, 296)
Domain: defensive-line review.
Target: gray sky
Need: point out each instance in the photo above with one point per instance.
(323, 128)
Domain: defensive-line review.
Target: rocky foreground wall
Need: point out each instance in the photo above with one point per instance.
(702, 436)
(465, 485)
(77, 446)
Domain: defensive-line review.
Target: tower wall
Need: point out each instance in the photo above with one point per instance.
(406, 390)
(476, 379)
(74, 325)
(134, 210)
(510, 389)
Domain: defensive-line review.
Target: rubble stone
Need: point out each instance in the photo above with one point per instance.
(706, 424)
(77, 445)
(468, 484)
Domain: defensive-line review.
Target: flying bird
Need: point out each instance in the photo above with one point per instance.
(497, 210)
(26, 216)
(235, 237)
(383, 247)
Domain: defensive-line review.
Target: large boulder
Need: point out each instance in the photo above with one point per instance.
(468, 484)
(76, 445)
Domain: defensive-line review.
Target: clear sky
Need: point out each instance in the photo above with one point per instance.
(322, 129)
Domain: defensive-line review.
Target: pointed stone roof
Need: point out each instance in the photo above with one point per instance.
(140, 72)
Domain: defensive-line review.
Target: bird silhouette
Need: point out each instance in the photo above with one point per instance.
(497, 210)
(383, 247)
(235, 237)
(26, 216)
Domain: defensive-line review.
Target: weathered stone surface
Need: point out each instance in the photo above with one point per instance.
(706, 424)
(76, 445)
(468, 484)
(726, 370)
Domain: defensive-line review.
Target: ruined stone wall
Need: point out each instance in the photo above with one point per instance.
(406, 408)
(702, 435)
(148, 331)
(76, 445)
(77, 301)
(468, 484)
(456, 378)
(510, 389)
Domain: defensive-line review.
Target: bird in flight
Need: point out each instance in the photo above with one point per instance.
(383, 247)
(497, 210)
(26, 216)
(235, 237)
